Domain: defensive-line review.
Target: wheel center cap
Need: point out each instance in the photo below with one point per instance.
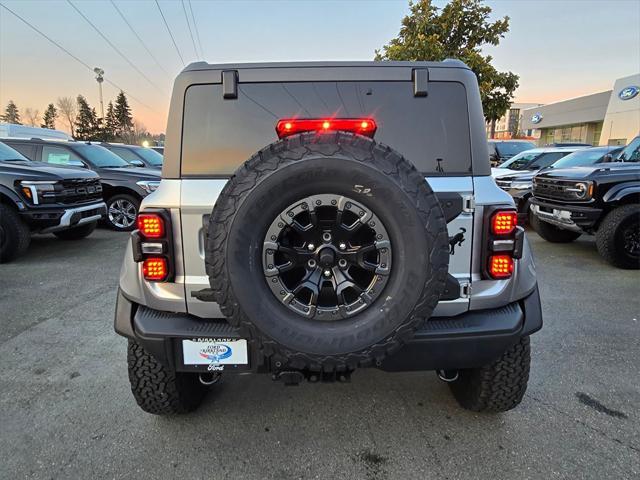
(327, 257)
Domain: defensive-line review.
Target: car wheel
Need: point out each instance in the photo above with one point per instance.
(76, 233)
(618, 237)
(327, 251)
(122, 210)
(15, 235)
(497, 387)
(159, 390)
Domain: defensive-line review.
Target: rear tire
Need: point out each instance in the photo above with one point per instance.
(122, 210)
(497, 387)
(159, 390)
(551, 233)
(15, 235)
(624, 220)
(76, 233)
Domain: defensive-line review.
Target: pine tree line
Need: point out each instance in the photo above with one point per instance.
(82, 119)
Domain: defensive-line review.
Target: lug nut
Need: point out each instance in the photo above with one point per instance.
(342, 246)
(326, 236)
(311, 247)
(312, 263)
(342, 263)
(327, 273)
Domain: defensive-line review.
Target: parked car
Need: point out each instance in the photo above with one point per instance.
(328, 249)
(601, 200)
(502, 150)
(12, 130)
(123, 185)
(532, 160)
(40, 198)
(136, 155)
(569, 144)
(519, 184)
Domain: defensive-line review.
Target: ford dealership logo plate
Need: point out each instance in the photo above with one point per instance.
(537, 118)
(215, 351)
(628, 93)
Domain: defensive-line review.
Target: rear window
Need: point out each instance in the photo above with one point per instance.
(432, 132)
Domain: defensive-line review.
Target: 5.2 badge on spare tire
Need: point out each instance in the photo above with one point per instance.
(327, 251)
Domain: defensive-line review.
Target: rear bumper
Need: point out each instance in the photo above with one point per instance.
(469, 340)
(568, 217)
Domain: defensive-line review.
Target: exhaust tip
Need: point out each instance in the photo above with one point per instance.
(208, 379)
(447, 376)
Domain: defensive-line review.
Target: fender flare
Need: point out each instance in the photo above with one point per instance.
(620, 191)
(13, 196)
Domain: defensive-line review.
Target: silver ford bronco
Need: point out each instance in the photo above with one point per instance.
(316, 218)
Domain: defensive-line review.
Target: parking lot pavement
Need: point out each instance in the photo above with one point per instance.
(66, 410)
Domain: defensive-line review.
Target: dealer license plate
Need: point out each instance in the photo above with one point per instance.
(215, 351)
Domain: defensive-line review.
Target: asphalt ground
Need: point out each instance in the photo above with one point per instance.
(66, 410)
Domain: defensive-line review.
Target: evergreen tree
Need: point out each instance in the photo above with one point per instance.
(87, 123)
(122, 112)
(11, 114)
(110, 124)
(50, 115)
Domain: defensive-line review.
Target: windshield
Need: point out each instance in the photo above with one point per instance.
(509, 149)
(100, 157)
(631, 152)
(8, 154)
(583, 158)
(151, 156)
(520, 161)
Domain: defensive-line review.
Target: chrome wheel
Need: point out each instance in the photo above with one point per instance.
(122, 213)
(327, 257)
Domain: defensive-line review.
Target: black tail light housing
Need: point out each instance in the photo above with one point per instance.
(152, 245)
(503, 240)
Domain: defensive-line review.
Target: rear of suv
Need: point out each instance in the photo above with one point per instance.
(41, 198)
(317, 218)
(123, 185)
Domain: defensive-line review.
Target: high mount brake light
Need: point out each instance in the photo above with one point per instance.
(155, 269)
(504, 222)
(361, 126)
(151, 225)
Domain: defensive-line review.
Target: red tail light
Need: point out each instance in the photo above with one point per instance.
(500, 266)
(504, 222)
(155, 269)
(362, 126)
(151, 225)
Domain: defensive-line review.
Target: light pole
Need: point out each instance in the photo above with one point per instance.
(100, 78)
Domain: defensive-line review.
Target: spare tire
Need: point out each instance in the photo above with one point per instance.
(327, 251)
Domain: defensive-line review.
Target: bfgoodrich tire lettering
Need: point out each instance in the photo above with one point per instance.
(339, 164)
(159, 390)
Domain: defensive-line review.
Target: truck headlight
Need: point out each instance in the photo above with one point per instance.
(38, 192)
(581, 190)
(148, 186)
(522, 185)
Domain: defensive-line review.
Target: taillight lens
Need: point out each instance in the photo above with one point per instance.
(155, 269)
(500, 266)
(504, 222)
(151, 225)
(291, 126)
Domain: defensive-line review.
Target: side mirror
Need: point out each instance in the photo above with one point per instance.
(137, 163)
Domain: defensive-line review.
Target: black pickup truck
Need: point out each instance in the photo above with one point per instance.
(602, 200)
(37, 197)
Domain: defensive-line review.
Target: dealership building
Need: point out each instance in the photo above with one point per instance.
(605, 118)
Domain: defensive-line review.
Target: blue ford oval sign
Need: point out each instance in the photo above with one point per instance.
(537, 118)
(628, 93)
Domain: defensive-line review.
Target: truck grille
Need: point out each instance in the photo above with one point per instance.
(79, 190)
(553, 189)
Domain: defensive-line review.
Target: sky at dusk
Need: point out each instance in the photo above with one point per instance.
(560, 49)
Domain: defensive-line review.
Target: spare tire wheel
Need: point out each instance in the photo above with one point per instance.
(327, 251)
